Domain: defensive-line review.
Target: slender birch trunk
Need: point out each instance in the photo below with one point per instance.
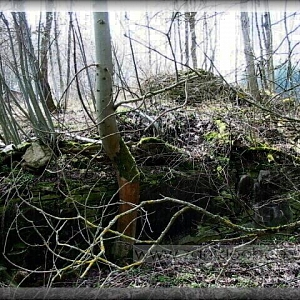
(113, 144)
(268, 41)
(186, 44)
(249, 56)
(192, 22)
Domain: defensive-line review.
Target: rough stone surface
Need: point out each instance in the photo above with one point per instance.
(273, 214)
(37, 156)
(245, 188)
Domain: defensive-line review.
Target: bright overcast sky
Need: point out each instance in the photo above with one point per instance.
(227, 40)
(150, 5)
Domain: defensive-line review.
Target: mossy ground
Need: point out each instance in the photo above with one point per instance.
(205, 148)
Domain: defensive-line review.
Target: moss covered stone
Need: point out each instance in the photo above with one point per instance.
(126, 164)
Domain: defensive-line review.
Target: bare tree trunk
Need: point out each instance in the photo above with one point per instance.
(45, 44)
(25, 66)
(56, 42)
(289, 71)
(262, 73)
(179, 41)
(205, 41)
(236, 58)
(249, 56)
(269, 50)
(213, 45)
(68, 71)
(186, 44)
(174, 32)
(193, 38)
(168, 36)
(53, 73)
(113, 144)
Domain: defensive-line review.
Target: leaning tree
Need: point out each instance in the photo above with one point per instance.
(113, 144)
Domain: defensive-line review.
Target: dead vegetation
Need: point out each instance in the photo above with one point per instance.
(213, 266)
(210, 129)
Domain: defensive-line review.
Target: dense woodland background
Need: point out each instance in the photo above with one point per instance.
(174, 126)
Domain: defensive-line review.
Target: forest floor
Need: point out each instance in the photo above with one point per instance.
(207, 131)
(259, 266)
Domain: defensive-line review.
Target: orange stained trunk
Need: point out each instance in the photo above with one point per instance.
(130, 193)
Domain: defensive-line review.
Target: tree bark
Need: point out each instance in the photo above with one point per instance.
(186, 44)
(268, 40)
(213, 44)
(113, 144)
(45, 43)
(249, 56)
(262, 73)
(193, 38)
(205, 41)
(58, 54)
(179, 40)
